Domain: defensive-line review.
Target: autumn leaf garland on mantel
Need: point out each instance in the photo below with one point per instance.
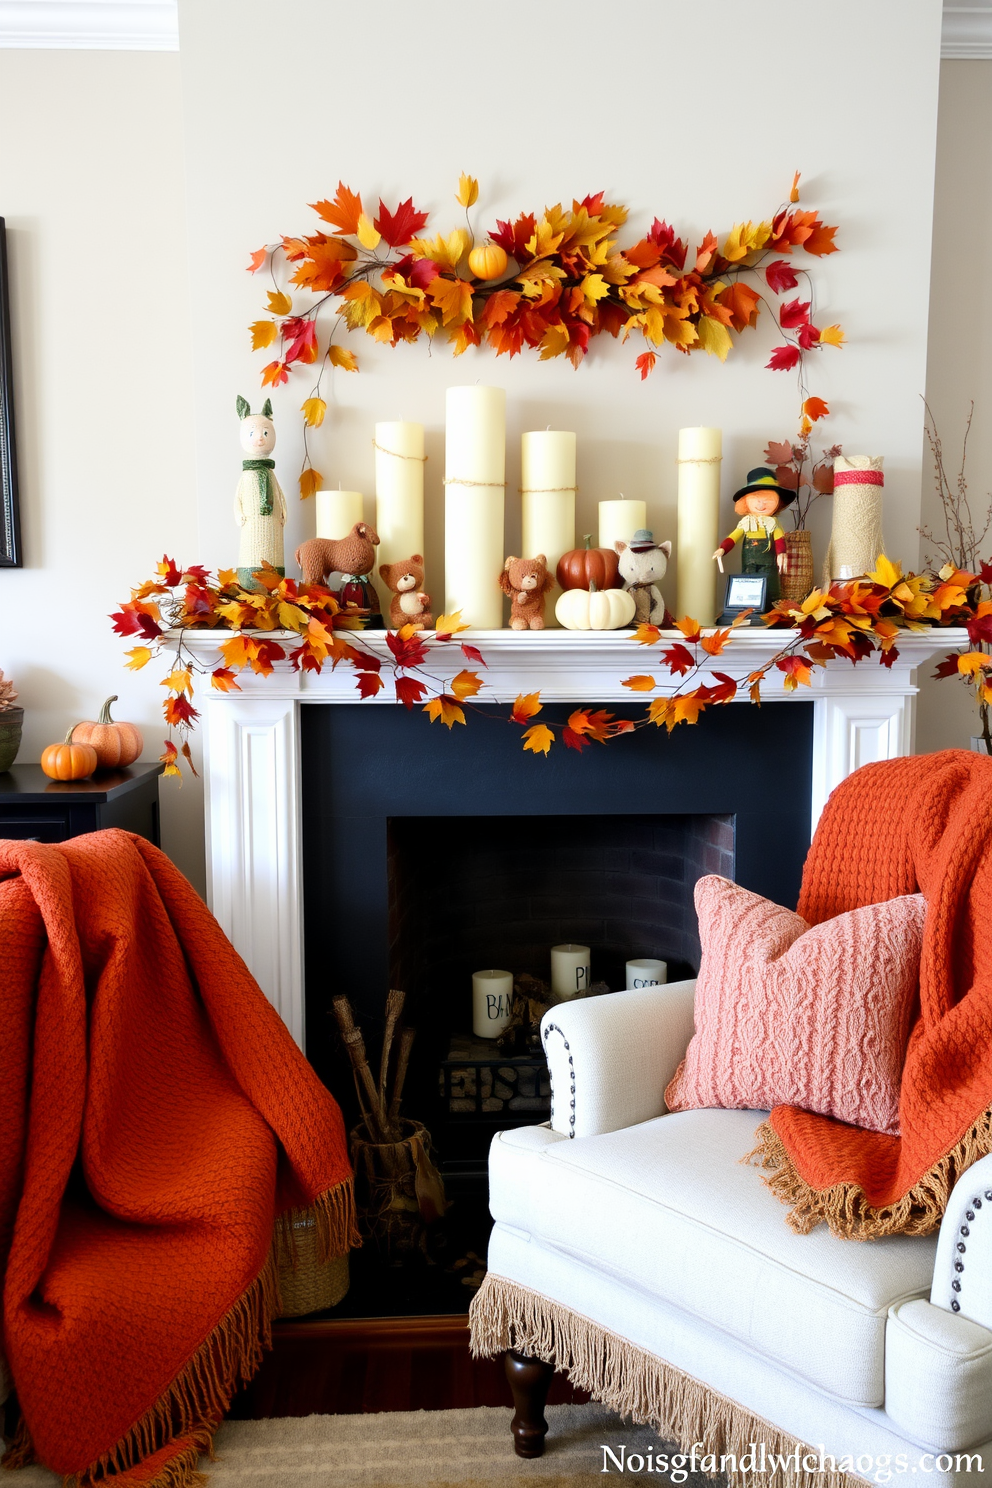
(550, 283)
(851, 620)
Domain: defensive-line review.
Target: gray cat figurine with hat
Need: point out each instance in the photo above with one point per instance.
(643, 564)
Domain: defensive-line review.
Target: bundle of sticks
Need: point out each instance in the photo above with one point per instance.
(380, 1106)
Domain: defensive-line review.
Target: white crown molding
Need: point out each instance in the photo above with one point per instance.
(966, 33)
(92, 25)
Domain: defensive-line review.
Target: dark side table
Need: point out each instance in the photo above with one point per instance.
(32, 806)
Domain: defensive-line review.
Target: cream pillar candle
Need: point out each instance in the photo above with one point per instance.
(492, 1002)
(547, 470)
(570, 969)
(474, 481)
(337, 512)
(399, 496)
(619, 520)
(700, 457)
(646, 973)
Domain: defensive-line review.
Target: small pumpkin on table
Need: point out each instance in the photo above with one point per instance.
(117, 745)
(591, 597)
(68, 761)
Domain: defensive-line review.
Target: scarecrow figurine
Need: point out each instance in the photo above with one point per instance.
(762, 539)
(259, 505)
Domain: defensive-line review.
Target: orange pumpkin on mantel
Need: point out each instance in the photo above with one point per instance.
(117, 745)
(580, 568)
(68, 761)
(488, 261)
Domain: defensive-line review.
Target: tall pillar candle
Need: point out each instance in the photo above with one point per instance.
(337, 512)
(474, 482)
(619, 520)
(700, 458)
(547, 468)
(399, 496)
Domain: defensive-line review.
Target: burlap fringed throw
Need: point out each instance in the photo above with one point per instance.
(645, 1389)
(159, 1129)
(922, 823)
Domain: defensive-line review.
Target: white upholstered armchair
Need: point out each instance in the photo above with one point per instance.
(633, 1250)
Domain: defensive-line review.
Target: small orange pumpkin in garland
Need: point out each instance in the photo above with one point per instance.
(68, 761)
(117, 745)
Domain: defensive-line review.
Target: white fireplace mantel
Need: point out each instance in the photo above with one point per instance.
(251, 749)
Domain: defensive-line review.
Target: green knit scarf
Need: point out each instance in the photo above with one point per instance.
(262, 467)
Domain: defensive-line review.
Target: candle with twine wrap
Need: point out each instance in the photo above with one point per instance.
(856, 534)
(700, 459)
(399, 495)
(474, 481)
(547, 495)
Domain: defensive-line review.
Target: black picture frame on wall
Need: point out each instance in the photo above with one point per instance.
(10, 517)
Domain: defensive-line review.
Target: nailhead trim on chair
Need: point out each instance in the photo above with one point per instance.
(553, 1028)
(969, 1215)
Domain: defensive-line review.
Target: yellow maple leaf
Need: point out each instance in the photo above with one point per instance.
(138, 657)
(973, 662)
(526, 706)
(290, 616)
(366, 233)
(181, 680)
(263, 333)
(745, 238)
(832, 335)
(446, 252)
(794, 190)
(235, 651)
(360, 304)
(449, 625)
(594, 287)
(453, 297)
(310, 481)
(640, 683)
(662, 711)
(340, 357)
(713, 337)
(886, 572)
(755, 693)
(468, 191)
(987, 693)
(226, 576)
(279, 303)
(538, 739)
(313, 410)
(466, 684)
(445, 709)
(554, 342)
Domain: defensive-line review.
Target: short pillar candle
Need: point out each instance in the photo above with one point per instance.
(619, 520)
(492, 1002)
(647, 972)
(337, 512)
(570, 968)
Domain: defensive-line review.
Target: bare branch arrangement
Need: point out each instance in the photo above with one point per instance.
(961, 539)
(378, 1104)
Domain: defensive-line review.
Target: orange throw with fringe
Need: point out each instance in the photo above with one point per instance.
(923, 823)
(156, 1119)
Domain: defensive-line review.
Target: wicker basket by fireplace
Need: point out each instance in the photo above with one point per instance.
(398, 1189)
(307, 1284)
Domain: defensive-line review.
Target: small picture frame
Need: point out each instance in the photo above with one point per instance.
(744, 592)
(10, 521)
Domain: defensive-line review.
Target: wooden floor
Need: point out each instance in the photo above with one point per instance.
(339, 1366)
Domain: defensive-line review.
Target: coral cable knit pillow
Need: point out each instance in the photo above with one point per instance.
(798, 1015)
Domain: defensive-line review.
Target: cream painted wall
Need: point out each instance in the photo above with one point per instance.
(959, 365)
(91, 187)
(693, 119)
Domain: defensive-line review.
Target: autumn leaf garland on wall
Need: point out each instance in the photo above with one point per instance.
(549, 283)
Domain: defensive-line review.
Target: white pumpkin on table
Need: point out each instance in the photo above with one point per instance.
(595, 609)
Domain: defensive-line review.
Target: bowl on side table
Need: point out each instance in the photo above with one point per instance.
(11, 721)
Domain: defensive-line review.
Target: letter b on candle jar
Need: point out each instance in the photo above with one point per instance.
(492, 1001)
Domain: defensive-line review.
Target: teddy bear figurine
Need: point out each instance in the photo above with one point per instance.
(409, 604)
(526, 581)
(643, 564)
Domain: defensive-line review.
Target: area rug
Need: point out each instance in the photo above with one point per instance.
(425, 1449)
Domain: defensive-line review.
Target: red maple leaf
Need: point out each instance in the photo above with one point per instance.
(409, 691)
(793, 313)
(645, 363)
(301, 335)
(809, 336)
(722, 692)
(368, 683)
(169, 571)
(179, 710)
(408, 653)
(890, 657)
(472, 653)
(400, 226)
(783, 358)
(780, 276)
(947, 668)
(985, 573)
(417, 272)
(572, 740)
(678, 659)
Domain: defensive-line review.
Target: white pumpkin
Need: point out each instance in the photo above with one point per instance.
(595, 609)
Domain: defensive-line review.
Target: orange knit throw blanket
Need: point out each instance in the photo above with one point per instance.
(156, 1119)
(923, 823)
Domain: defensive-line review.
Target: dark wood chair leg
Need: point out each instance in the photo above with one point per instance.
(530, 1380)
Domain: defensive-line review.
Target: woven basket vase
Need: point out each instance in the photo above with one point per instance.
(312, 1285)
(796, 580)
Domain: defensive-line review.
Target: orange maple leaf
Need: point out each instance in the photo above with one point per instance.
(453, 297)
(224, 680)
(465, 685)
(689, 628)
(593, 724)
(640, 683)
(538, 739)
(646, 635)
(310, 481)
(340, 357)
(832, 335)
(815, 408)
(446, 709)
(688, 708)
(274, 374)
(257, 260)
(343, 212)
(526, 706)
(794, 190)
(661, 711)
(715, 643)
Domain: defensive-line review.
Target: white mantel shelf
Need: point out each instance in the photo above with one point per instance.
(251, 746)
